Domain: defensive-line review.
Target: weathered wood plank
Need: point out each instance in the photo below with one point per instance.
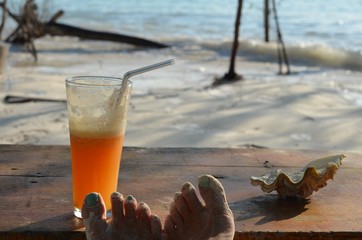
(36, 198)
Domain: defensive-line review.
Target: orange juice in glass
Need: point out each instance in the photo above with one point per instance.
(97, 113)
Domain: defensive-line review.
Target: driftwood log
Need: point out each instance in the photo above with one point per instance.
(30, 28)
(58, 29)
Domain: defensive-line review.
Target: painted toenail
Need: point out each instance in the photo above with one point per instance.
(130, 198)
(204, 181)
(92, 199)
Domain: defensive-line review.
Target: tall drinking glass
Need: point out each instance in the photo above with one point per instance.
(97, 113)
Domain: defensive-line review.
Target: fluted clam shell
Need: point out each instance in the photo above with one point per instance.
(301, 183)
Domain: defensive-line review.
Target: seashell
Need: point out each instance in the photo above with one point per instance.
(301, 183)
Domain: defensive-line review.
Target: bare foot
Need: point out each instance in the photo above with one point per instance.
(190, 219)
(129, 219)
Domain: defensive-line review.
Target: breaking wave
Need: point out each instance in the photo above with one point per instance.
(310, 54)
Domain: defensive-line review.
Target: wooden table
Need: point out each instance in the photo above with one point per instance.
(36, 197)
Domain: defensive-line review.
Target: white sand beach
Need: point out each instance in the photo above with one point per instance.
(313, 108)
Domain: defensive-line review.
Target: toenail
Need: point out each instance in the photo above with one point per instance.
(91, 199)
(177, 195)
(187, 186)
(204, 181)
(130, 198)
(115, 195)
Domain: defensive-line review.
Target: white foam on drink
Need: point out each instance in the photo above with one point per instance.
(107, 124)
(97, 115)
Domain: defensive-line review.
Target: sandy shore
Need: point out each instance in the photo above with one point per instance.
(313, 108)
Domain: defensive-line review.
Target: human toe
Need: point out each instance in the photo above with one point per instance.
(130, 207)
(176, 216)
(149, 226)
(188, 192)
(143, 213)
(212, 192)
(170, 228)
(220, 214)
(156, 227)
(117, 202)
(182, 206)
(94, 216)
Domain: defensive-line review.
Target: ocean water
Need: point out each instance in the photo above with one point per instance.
(317, 32)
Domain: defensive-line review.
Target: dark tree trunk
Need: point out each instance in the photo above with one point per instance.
(231, 75)
(282, 52)
(236, 40)
(266, 20)
(3, 19)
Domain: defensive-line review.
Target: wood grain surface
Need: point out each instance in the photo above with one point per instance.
(36, 192)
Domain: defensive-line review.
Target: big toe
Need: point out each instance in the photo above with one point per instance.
(221, 217)
(213, 193)
(94, 216)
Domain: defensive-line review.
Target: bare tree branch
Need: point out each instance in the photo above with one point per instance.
(56, 16)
